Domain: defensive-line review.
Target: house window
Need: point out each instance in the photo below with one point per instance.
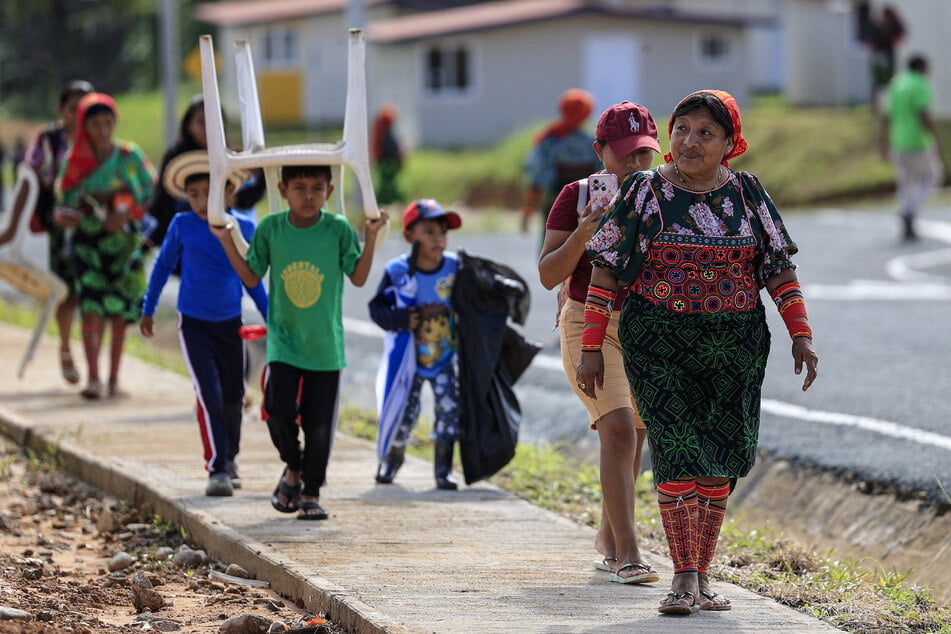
(280, 47)
(715, 50)
(448, 69)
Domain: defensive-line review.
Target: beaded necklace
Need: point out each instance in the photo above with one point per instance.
(716, 183)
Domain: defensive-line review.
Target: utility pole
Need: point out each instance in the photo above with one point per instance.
(355, 14)
(168, 35)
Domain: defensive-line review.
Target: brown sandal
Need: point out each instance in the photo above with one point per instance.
(114, 390)
(92, 391)
(676, 603)
(66, 365)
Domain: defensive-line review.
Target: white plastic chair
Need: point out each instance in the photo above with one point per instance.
(351, 151)
(22, 274)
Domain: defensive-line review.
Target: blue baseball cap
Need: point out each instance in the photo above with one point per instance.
(429, 209)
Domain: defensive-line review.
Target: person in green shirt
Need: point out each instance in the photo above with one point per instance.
(307, 251)
(908, 132)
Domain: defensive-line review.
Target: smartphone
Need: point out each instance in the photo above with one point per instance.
(602, 188)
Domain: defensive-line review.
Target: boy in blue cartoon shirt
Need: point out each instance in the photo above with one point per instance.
(413, 304)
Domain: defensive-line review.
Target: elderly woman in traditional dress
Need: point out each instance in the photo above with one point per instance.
(694, 242)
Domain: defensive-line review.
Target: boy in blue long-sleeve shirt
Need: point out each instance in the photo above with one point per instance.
(209, 315)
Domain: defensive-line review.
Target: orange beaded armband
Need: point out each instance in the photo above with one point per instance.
(597, 314)
(792, 308)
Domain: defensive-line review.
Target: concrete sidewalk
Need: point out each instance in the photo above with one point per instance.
(398, 558)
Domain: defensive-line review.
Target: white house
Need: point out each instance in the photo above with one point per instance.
(470, 74)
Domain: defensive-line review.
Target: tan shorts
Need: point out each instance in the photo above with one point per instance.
(617, 391)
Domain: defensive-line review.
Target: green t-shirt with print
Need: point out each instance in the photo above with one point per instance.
(307, 269)
(909, 94)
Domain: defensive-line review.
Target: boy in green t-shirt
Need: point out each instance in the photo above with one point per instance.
(307, 251)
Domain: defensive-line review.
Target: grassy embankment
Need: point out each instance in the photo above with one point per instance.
(804, 157)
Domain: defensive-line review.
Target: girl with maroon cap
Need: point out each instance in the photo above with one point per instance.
(626, 141)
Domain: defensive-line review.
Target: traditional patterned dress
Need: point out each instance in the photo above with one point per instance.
(109, 265)
(693, 330)
(45, 156)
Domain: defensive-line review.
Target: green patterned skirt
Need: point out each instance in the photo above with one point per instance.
(109, 269)
(61, 260)
(697, 379)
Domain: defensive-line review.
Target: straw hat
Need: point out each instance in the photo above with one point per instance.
(190, 163)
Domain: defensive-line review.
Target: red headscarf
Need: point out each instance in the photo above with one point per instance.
(80, 159)
(385, 118)
(739, 143)
(575, 106)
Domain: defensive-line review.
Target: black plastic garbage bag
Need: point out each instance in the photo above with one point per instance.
(492, 357)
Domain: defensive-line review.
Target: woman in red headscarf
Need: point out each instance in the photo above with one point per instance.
(562, 153)
(694, 242)
(103, 185)
(387, 156)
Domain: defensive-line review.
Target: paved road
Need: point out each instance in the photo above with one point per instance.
(879, 310)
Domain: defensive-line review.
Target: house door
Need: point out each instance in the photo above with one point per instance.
(612, 68)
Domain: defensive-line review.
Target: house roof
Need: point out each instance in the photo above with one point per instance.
(458, 19)
(238, 12)
(512, 12)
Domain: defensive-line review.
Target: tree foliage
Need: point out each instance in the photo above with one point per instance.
(112, 43)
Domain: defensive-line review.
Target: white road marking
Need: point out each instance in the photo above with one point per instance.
(864, 290)
(911, 283)
(362, 327)
(887, 428)
(904, 268)
(548, 362)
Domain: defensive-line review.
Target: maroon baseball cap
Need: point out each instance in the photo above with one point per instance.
(429, 209)
(627, 127)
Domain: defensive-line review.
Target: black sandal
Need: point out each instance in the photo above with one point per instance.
(711, 604)
(679, 603)
(290, 493)
(311, 511)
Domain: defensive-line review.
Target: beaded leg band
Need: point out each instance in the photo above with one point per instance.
(92, 340)
(679, 517)
(711, 507)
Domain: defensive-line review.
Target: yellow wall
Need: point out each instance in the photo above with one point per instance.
(281, 95)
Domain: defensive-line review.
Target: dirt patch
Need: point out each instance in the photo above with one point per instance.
(74, 560)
